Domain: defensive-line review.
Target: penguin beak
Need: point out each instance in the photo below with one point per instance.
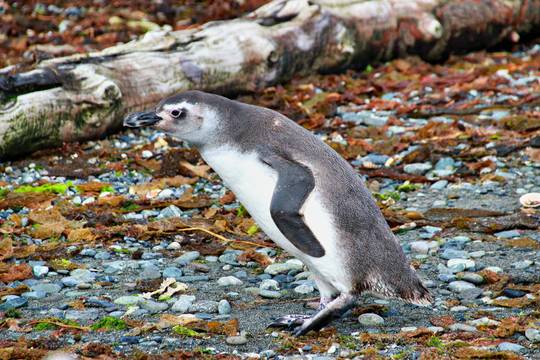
(145, 118)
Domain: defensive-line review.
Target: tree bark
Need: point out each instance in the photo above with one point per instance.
(86, 96)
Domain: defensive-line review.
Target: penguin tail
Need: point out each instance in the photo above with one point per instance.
(414, 291)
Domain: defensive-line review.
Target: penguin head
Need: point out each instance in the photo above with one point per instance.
(186, 116)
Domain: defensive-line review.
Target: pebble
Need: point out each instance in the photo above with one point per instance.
(461, 327)
(205, 306)
(470, 294)
(270, 294)
(472, 278)
(454, 254)
(40, 271)
(128, 300)
(13, 303)
(48, 288)
(533, 335)
(459, 286)
(521, 265)
(420, 247)
(224, 308)
(171, 211)
(181, 306)
(80, 315)
(304, 289)
(236, 340)
(188, 257)
(172, 272)
(508, 346)
(509, 234)
(284, 268)
(511, 293)
(477, 254)
(33, 295)
(370, 319)
(153, 307)
(229, 281)
(417, 168)
(269, 284)
(439, 185)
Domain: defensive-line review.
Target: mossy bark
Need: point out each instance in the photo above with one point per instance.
(86, 96)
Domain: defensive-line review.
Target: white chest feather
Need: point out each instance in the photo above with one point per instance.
(253, 184)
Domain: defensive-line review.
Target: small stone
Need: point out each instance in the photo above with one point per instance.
(370, 319)
(34, 295)
(508, 346)
(446, 163)
(470, 294)
(284, 268)
(70, 281)
(153, 307)
(40, 271)
(304, 289)
(224, 308)
(466, 262)
(14, 303)
(236, 340)
(193, 278)
(484, 321)
(88, 252)
(454, 254)
(147, 154)
(128, 300)
(533, 335)
(417, 168)
(439, 185)
(181, 306)
(511, 293)
(165, 194)
(435, 329)
(477, 254)
(420, 247)
(269, 284)
(102, 255)
(270, 294)
(229, 281)
(409, 329)
(472, 278)
(149, 274)
(81, 315)
(521, 265)
(459, 286)
(188, 257)
(459, 308)
(205, 306)
(462, 327)
(48, 288)
(507, 234)
(171, 211)
(172, 272)
(174, 246)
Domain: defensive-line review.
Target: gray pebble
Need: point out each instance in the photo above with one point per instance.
(508, 346)
(417, 168)
(236, 340)
(13, 303)
(181, 306)
(80, 315)
(521, 265)
(153, 307)
(70, 281)
(470, 294)
(462, 327)
(188, 257)
(229, 281)
(507, 234)
(454, 254)
(40, 271)
(284, 268)
(224, 308)
(171, 211)
(420, 247)
(439, 185)
(370, 319)
(533, 335)
(472, 278)
(270, 294)
(304, 289)
(128, 300)
(48, 288)
(172, 272)
(459, 286)
(269, 284)
(204, 306)
(192, 278)
(102, 255)
(33, 295)
(116, 314)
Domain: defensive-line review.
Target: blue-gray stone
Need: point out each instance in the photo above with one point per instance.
(130, 339)
(149, 256)
(507, 234)
(150, 273)
(270, 294)
(192, 278)
(153, 307)
(203, 316)
(99, 303)
(454, 254)
(508, 346)
(48, 288)
(171, 211)
(446, 163)
(88, 252)
(511, 293)
(188, 257)
(224, 308)
(78, 315)
(417, 168)
(439, 185)
(40, 271)
(70, 281)
(370, 319)
(14, 303)
(140, 312)
(172, 272)
(470, 294)
(205, 306)
(33, 295)
(241, 274)
(181, 306)
(229, 258)
(30, 282)
(102, 255)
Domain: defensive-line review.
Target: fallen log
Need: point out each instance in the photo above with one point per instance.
(86, 96)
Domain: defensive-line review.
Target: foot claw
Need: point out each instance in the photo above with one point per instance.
(290, 322)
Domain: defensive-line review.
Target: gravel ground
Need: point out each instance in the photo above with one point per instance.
(452, 261)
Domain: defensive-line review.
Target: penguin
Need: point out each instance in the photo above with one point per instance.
(303, 194)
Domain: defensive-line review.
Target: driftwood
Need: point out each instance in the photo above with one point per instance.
(86, 96)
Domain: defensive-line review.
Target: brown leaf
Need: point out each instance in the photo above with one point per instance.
(84, 234)
(228, 198)
(77, 305)
(18, 272)
(111, 200)
(179, 180)
(94, 186)
(6, 248)
(22, 252)
(524, 243)
(21, 289)
(516, 303)
(252, 255)
(475, 353)
(444, 321)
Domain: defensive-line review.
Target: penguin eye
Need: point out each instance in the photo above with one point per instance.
(175, 113)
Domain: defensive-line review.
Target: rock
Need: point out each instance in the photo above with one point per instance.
(454, 254)
(229, 281)
(460, 308)
(459, 286)
(14, 303)
(172, 272)
(269, 284)
(270, 294)
(370, 319)
(224, 308)
(165, 194)
(150, 274)
(470, 294)
(70, 281)
(193, 278)
(462, 327)
(284, 268)
(40, 271)
(48, 288)
(417, 168)
(181, 306)
(34, 295)
(439, 185)
(507, 234)
(484, 321)
(80, 315)
(477, 254)
(533, 335)
(508, 346)
(188, 257)
(304, 289)
(472, 278)
(102, 255)
(153, 307)
(446, 163)
(521, 265)
(420, 247)
(511, 293)
(171, 211)
(236, 340)
(128, 300)
(466, 262)
(205, 306)
(88, 252)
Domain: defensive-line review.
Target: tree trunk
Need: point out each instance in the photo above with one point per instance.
(86, 96)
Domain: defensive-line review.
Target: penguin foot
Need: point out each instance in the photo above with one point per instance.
(290, 321)
(333, 310)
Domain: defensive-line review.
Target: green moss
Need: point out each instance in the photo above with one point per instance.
(48, 326)
(109, 323)
(125, 251)
(387, 195)
(241, 211)
(56, 188)
(181, 330)
(3, 192)
(254, 229)
(109, 189)
(12, 313)
(129, 206)
(434, 342)
(406, 187)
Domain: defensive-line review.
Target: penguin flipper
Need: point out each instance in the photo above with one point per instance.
(295, 183)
